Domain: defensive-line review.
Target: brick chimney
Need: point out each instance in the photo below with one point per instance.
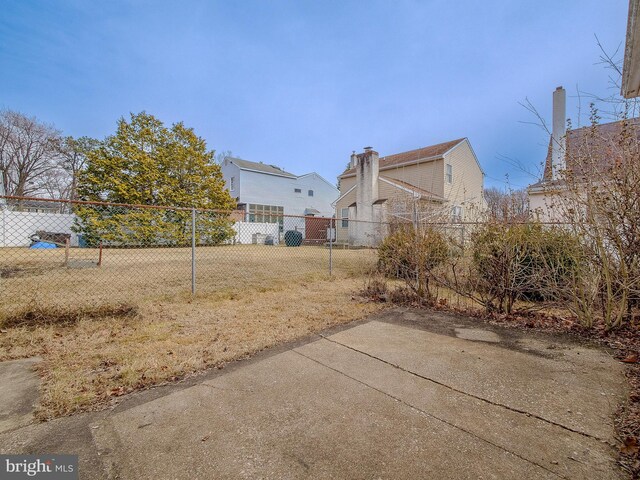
(558, 132)
(367, 167)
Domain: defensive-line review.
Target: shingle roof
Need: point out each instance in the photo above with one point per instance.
(261, 167)
(424, 153)
(592, 148)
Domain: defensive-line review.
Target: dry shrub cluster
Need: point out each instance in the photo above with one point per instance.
(507, 263)
(499, 264)
(413, 255)
(582, 255)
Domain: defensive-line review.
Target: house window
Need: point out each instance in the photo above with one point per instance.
(297, 190)
(344, 213)
(456, 213)
(265, 213)
(449, 173)
(311, 193)
(232, 184)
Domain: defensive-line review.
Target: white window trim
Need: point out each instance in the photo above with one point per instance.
(345, 219)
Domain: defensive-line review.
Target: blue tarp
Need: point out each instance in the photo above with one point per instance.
(43, 245)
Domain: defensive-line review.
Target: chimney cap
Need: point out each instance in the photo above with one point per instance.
(368, 149)
(559, 88)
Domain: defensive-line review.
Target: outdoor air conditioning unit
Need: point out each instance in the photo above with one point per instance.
(258, 238)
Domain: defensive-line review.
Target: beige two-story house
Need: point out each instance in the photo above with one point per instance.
(438, 183)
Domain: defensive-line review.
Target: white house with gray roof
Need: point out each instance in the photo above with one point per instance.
(266, 192)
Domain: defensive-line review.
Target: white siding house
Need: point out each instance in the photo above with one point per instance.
(266, 192)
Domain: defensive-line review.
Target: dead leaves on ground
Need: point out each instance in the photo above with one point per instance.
(630, 446)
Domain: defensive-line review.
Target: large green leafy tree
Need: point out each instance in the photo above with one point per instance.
(146, 163)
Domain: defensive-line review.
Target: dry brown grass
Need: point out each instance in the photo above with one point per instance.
(42, 315)
(39, 277)
(249, 298)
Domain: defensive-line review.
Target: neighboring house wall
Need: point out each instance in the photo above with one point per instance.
(466, 188)
(553, 205)
(267, 189)
(296, 195)
(231, 175)
(414, 187)
(17, 227)
(425, 175)
(538, 206)
(342, 207)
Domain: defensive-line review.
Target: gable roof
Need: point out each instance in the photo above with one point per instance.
(260, 167)
(591, 148)
(411, 188)
(431, 152)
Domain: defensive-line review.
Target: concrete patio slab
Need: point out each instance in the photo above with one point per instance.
(292, 417)
(19, 393)
(580, 395)
(400, 396)
(542, 443)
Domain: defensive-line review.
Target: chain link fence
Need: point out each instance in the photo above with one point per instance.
(85, 253)
(76, 254)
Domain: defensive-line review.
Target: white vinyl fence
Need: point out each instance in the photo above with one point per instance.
(250, 232)
(17, 227)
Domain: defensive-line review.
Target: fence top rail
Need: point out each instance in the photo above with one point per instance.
(333, 219)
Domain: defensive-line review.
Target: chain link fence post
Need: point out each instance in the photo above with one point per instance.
(331, 232)
(193, 251)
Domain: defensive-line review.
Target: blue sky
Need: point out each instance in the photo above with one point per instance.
(302, 83)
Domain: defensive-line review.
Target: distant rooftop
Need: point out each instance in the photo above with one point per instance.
(260, 167)
(591, 147)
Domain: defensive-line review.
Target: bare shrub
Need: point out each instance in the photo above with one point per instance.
(509, 262)
(375, 288)
(412, 255)
(599, 200)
